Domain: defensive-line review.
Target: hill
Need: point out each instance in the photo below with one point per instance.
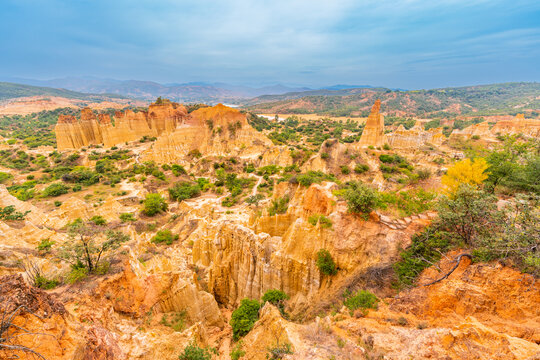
(12, 91)
(495, 99)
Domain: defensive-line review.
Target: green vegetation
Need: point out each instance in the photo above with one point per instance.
(279, 206)
(176, 320)
(194, 352)
(325, 263)
(362, 299)
(360, 198)
(277, 351)
(184, 190)
(164, 236)
(10, 213)
(312, 177)
(154, 204)
(55, 189)
(244, 317)
(4, 177)
(127, 217)
(98, 220)
(237, 353)
(324, 222)
(45, 245)
(276, 298)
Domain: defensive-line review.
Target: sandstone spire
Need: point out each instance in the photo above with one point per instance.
(373, 134)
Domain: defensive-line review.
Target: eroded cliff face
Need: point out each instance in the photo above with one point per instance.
(415, 137)
(280, 251)
(373, 134)
(212, 131)
(519, 125)
(128, 126)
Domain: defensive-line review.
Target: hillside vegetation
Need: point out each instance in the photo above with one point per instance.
(496, 99)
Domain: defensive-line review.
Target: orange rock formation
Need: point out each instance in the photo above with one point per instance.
(373, 134)
(128, 126)
(414, 137)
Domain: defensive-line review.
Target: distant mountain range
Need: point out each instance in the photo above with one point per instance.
(181, 92)
(149, 90)
(338, 100)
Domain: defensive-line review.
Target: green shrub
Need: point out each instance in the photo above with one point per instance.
(361, 168)
(423, 174)
(9, 213)
(55, 189)
(325, 263)
(176, 321)
(237, 353)
(194, 352)
(313, 177)
(77, 274)
(363, 299)
(360, 198)
(276, 298)
(345, 170)
(278, 352)
(57, 203)
(5, 177)
(164, 236)
(42, 282)
(325, 155)
(244, 317)
(45, 245)
(98, 220)
(127, 217)
(184, 190)
(279, 206)
(154, 204)
(321, 219)
(178, 170)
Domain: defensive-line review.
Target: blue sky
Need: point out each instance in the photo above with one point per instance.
(408, 44)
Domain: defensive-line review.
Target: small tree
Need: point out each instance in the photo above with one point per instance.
(154, 204)
(325, 263)
(184, 190)
(469, 214)
(194, 352)
(360, 198)
(465, 172)
(277, 298)
(87, 246)
(244, 317)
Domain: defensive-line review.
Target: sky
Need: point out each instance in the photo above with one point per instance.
(409, 44)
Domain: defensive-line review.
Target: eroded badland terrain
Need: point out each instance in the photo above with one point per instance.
(200, 232)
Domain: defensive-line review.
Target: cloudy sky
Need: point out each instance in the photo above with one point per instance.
(403, 43)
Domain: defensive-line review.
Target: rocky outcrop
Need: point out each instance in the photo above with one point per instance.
(280, 251)
(128, 126)
(415, 137)
(373, 134)
(212, 131)
(519, 125)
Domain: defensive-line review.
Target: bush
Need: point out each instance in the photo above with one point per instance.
(98, 220)
(277, 352)
(244, 317)
(360, 198)
(164, 236)
(154, 204)
(43, 283)
(194, 352)
(321, 219)
(345, 170)
(325, 155)
(423, 174)
(325, 263)
(178, 170)
(363, 299)
(55, 189)
(184, 190)
(45, 245)
(127, 217)
(77, 274)
(279, 206)
(5, 177)
(276, 298)
(9, 213)
(237, 351)
(361, 168)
